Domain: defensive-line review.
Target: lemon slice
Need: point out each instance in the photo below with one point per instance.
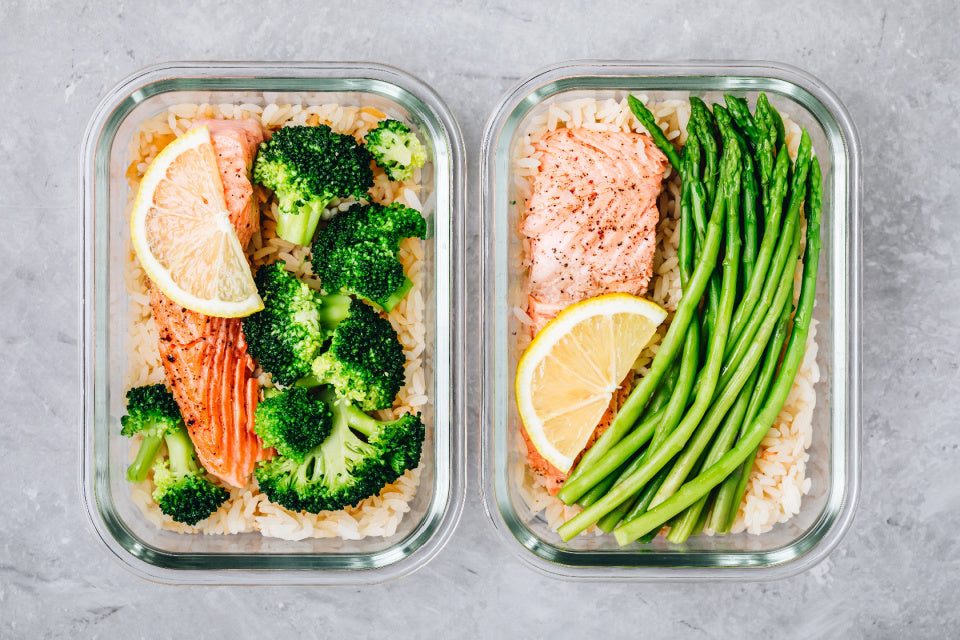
(182, 234)
(569, 373)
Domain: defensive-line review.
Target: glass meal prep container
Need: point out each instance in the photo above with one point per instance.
(250, 558)
(834, 467)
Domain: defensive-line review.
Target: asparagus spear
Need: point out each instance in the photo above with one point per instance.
(693, 518)
(684, 524)
(740, 113)
(700, 135)
(650, 123)
(704, 128)
(752, 321)
(644, 498)
(773, 122)
(796, 347)
(737, 381)
(703, 124)
(777, 289)
(749, 192)
(731, 491)
(771, 232)
(724, 439)
(750, 312)
(603, 486)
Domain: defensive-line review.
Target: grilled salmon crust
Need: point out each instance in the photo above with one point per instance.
(211, 374)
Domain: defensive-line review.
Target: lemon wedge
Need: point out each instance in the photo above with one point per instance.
(569, 373)
(182, 234)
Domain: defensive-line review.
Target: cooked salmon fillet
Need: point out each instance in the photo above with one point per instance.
(592, 217)
(591, 222)
(211, 374)
(206, 358)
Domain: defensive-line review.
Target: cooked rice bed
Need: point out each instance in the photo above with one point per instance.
(247, 509)
(778, 478)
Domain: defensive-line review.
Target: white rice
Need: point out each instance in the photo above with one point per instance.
(248, 509)
(778, 479)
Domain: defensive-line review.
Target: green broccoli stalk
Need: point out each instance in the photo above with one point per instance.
(288, 334)
(357, 252)
(397, 442)
(364, 361)
(182, 491)
(345, 468)
(308, 168)
(396, 149)
(152, 412)
(293, 422)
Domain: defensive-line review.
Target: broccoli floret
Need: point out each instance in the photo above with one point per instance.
(308, 168)
(288, 334)
(152, 412)
(345, 468)
(398, 442)
(182, 490)
(396, 149)
(357, 251)
(364, 362)
(292, 422)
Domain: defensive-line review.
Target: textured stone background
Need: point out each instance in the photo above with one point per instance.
(896, 65)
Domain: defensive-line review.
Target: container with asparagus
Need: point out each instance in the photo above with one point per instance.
(679, 451)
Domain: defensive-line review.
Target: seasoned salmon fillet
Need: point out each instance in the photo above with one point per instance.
(206, 358)
(591, 222)
(211, 374)
(592, 217)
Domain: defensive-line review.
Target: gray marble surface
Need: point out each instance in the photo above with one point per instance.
(896, 65)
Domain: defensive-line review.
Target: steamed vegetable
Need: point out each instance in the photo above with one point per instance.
(305, 338)
(396, 149)
(750, 440)
(182, 489)
(364, 361)
(356, 253)
(359, 457)
(153, 413)
(289, 333)
(308, 168)
(293, 422)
